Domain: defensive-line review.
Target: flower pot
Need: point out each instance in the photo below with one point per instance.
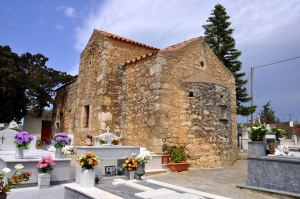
(43, 180)
(181, 166)
(131, 175)
(19, 153)
(58, 152)
(3, 196)
(88, 141)
(256, 149)
(165, 158)
(140, 171)
(87, 178)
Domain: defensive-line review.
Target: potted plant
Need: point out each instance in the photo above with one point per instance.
(15, 179)
(44, 165)
(22, 141)
(89, 137)
(165, 149)
(178, 157)
(87, 175)
(257, 147)
(130, 165)
(60, 140)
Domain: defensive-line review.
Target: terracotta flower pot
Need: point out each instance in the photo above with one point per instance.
(181, 166)
(165, 158)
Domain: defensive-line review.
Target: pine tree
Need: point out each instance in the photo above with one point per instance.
(267, 115)
(219, 38)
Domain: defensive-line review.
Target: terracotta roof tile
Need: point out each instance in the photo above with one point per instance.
(124, 39)
(179, 45)
(139, 58)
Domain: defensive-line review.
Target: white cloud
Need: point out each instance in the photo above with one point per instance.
(70, 12)
(60, 8)
(59, 27)
(163, 23)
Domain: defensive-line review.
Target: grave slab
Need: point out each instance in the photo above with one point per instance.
(179, 196)
(154, 193)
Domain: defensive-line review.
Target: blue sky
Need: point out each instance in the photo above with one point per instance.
(265, 32)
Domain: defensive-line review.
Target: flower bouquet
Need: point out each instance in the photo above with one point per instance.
(102, 141)
(16, 179)
(88, 161)
(258, 132)
(22, 139)
(115, 141)
(60, 140)
(279, 132)
(46, 163)
(130, 164)
(143, 159)
(89, 135)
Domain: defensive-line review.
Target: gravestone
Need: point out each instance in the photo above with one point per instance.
(107, 137)
(7, 139)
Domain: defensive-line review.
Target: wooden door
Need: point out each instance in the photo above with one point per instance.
(46, 130)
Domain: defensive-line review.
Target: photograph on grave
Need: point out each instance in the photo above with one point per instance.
(285, 150)
(110, 170)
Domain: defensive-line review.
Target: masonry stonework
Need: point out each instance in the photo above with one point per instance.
(182, 93)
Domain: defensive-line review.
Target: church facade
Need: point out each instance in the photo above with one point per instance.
(182, 93)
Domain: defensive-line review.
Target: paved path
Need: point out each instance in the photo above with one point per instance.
(219, 181)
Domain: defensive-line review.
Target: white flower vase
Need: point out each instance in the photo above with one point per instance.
(19, 153)
(131, 175)
(88, 141)
(43, 180)
(58, 152)
(87, 178)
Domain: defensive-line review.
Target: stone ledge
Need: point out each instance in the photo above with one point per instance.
(268, 190)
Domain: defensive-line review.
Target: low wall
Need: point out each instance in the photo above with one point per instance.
(274, 172)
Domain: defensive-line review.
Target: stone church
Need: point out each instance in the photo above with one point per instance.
(182, 93)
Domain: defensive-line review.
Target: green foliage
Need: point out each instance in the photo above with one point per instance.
(177, 154)
(219, 38)
(279, 132)
(165, 148)
(26, 84)
(267, 115)
(257, 132)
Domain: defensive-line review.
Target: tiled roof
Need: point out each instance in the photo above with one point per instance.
(125, 39)
(139, 58)
(179, 45)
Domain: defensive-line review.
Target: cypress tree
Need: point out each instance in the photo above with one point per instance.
(219, 38)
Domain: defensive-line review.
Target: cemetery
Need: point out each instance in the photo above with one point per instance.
(107, 161)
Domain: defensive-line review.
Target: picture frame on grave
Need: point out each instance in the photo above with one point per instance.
(110, 170)
(285, 150)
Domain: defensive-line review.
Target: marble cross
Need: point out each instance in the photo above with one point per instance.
(107, 129)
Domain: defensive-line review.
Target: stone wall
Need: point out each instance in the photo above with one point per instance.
(64, 108)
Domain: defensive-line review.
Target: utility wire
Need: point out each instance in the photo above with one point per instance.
(277, 62)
